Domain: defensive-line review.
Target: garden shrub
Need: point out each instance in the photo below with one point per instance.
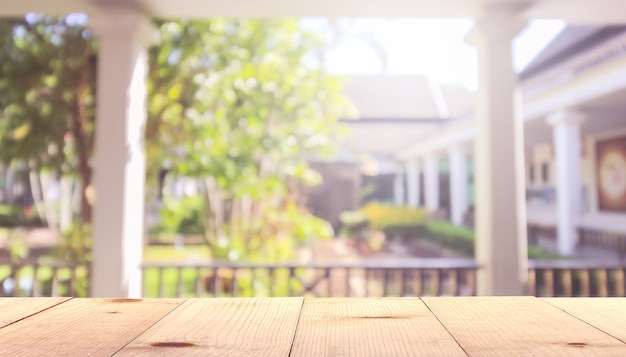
(392, 220)
(18, 216)
(461, 239)
(182, 216)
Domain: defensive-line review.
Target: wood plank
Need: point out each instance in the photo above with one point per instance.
(83, 327)
(371, 327)
(513, 326)
(606, 314)
(223, 327)
(16, 308)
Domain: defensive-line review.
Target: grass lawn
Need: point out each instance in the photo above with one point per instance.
(4, 233)
(6, 210)
(172, 254)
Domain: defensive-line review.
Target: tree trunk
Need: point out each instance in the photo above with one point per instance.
(83, 139)
(83, 151)
(38, 204)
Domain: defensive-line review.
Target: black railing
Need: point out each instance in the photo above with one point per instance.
(576, 278)
(424, 277)
(402, 278)
(30, 278)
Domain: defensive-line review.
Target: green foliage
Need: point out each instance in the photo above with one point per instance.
(355, 224)
(47, 76)
(47, 93)
(17, 247)
(461, 239)
(275, 236)
(232, 101)
(412, 224)
(75, 244)
(44, 275)
(182, 216)
(235, 105)
(534, 252)
(257, 108)
(18, 215)
(175, 254)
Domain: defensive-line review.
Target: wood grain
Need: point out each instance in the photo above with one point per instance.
(223, 327)
(606, 314)
(514, 326)
(81, 327)
(15, 309)
(371, 327)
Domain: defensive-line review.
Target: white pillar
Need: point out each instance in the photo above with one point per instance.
(458, 184)
(431, 182)
(119, 164)
(413, 183)
(501, 250)
(398, 186)
(566, 137)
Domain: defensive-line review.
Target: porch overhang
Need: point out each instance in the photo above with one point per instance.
(572, 11)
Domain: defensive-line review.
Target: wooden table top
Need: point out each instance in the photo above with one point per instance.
(445, 326)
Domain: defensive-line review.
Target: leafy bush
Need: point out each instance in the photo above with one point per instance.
(410, 223)
(182, 216)
(355, 224)
(18, 215)
(461, 239)
(76, 244)
(275, 236)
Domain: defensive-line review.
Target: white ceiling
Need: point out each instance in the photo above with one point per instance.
(573, 11)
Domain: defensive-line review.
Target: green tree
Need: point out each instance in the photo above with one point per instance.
(231, 102)
(259, 111)
(47, 76)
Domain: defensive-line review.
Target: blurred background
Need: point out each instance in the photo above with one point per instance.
(325, 156)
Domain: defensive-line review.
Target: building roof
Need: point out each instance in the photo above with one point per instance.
(394, 110)
(395, 97)
(572, 41)
(383, 138)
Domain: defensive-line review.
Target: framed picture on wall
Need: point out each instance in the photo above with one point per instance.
(611, 174)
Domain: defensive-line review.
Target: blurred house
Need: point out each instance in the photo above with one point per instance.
(574, 119)
(392, 112)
